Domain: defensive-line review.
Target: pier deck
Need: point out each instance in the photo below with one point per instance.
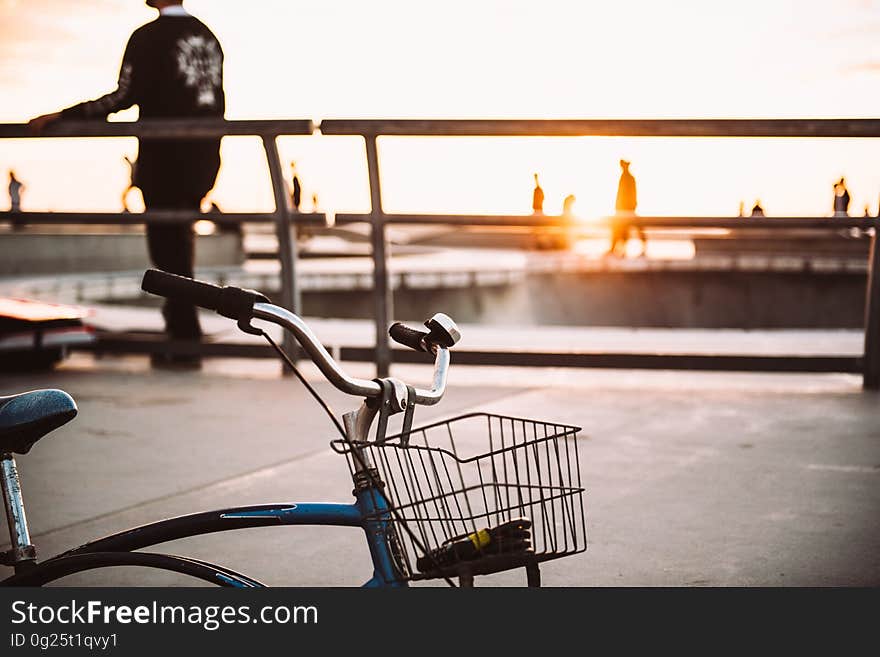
(692, 478)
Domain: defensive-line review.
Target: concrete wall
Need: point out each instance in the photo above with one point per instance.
(64, 253)
(634, 299)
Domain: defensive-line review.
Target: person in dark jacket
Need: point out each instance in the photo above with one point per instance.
(172, 68)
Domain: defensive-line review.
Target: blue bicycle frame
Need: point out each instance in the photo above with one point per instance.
(369, 512)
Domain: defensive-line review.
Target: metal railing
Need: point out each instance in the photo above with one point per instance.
(370, 130)
(267, 130)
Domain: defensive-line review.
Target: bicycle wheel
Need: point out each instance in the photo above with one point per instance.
(55, 569)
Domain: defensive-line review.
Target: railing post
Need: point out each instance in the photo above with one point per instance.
(871, 375)
(382, 295)
(290, 294)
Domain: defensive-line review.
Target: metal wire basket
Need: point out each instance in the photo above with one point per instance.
(480, 493)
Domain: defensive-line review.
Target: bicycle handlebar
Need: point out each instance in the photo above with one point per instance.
(163, 284)
(231, 302)
(408, 337)
(239, 304)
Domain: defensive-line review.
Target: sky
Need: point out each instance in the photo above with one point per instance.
(477, 59)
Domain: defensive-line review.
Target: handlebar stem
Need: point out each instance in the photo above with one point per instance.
(358, 423)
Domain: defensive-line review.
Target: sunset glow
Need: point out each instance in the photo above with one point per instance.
(489, 60)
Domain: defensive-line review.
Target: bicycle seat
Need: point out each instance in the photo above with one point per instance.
(27, 417)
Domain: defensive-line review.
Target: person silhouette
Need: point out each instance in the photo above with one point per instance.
(16, 187)
(296, 193)
(132, 176)
(568, 206)
(841, 199)
(625, 207)
(172, 67)
(537, 198)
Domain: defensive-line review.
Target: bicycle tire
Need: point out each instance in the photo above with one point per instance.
(54, 569)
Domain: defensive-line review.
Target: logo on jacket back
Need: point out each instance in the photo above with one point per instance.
(200, 63)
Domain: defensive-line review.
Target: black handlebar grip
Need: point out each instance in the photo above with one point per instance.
(408, 337)
(172, 286)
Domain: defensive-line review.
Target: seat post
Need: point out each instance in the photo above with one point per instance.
(22, 553)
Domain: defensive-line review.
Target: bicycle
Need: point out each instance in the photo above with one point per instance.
(433, 502)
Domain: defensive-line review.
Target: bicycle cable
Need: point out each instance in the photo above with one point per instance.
(400, 521)
(307, 385)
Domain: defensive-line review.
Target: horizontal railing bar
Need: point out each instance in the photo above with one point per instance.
(705, 362)
(196, 128)
(139, 344)
(152, 216)
(162, 128)
(542, 221)
(533, 221)
(606, 127)
(123, 343)
(825, 223)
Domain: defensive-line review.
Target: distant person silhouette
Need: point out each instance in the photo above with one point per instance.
(568, 206)
(537, 198)
(565, 237)
(625, 207)
(16, 187)
(296, 194)
(757, 209)
(132, 176)
(841, 199)
(172, 68)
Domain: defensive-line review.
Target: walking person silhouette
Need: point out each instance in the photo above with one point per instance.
(172, 68)
(296, 187)
(537, 198)
(841, 199)
(625, 208)
(132, 177)
(16, 187)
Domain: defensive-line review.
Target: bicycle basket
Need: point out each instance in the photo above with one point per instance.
(461, 486)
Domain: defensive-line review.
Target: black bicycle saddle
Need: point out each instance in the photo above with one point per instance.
(27, 417)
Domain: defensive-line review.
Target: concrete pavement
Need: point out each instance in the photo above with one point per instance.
(692, 478)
